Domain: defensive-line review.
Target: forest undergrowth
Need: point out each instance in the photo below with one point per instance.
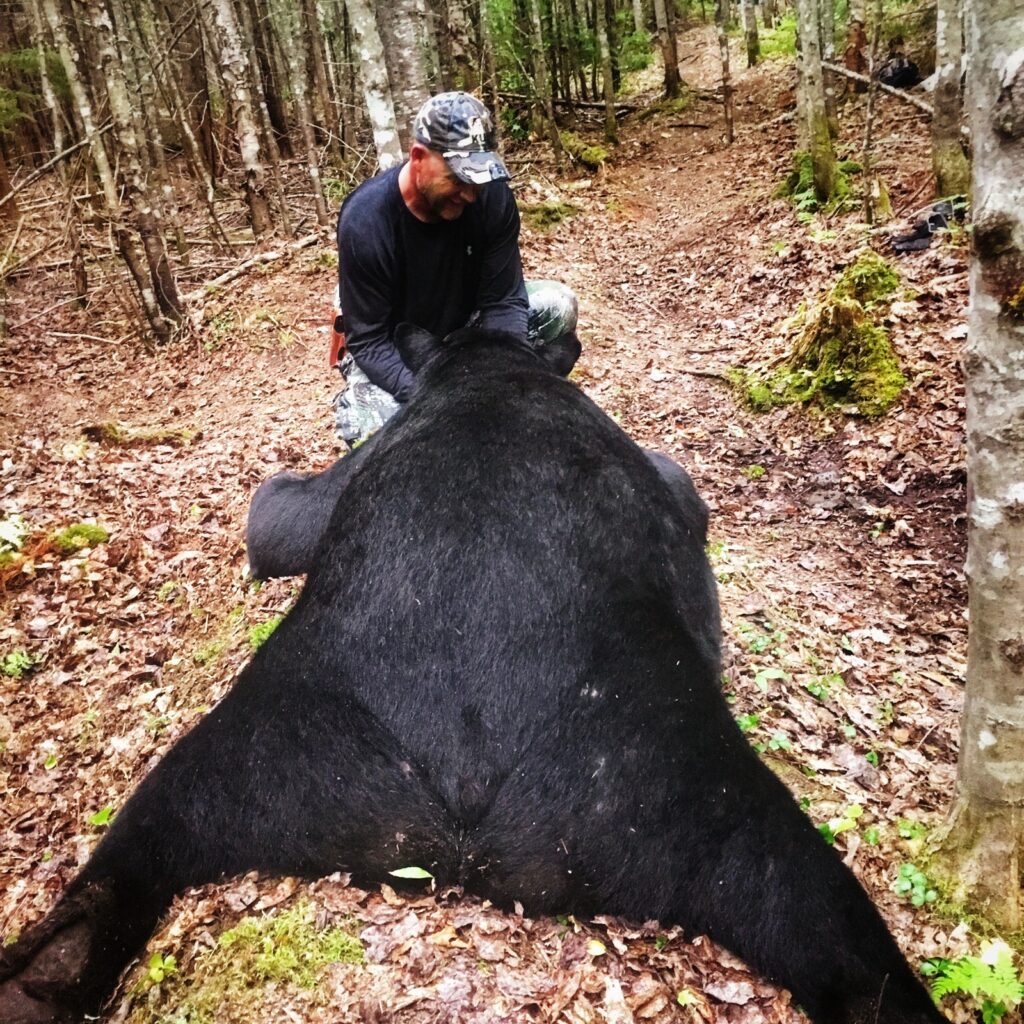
(837, 541)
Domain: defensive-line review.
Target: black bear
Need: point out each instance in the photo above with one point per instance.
(504, 668)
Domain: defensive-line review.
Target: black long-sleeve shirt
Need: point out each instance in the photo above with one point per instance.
(394, 268)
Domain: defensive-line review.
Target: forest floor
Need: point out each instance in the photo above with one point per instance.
(838, 543)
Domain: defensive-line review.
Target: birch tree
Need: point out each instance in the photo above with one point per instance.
(811, 104)
(855, 55)
(984, 844)
(403, 31)
(722, 25)
(161, 287)
(232, 66)
(952, 172)
(376, 85)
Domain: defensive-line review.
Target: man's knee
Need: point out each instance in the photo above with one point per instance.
(554, 310)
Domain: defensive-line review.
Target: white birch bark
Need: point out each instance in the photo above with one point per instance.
(232, 64)
(289, 35)
(983, 848)
(376, 86)
(952, 171)
(403, 31)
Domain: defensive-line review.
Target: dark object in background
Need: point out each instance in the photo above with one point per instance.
(934, 218)
(899, 72)
(504, 668)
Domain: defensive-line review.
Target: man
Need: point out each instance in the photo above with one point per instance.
(433, 243)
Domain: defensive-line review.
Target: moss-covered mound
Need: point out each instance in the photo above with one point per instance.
(592, 157)
(841, 359)
(546, 216)
(225, 983)
(842, 356)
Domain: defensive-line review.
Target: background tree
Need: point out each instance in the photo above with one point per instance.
(952, 171)
(811, 105)
(983, 847)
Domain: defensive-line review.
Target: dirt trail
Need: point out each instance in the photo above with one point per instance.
(837, 544)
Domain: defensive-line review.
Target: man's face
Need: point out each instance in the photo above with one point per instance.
(443, 195)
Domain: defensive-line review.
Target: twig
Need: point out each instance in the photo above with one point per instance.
(686, 124)
(10, 248)
(716, 374)
(45, 312)
(40, 171)
(88, 337)
(243, 268)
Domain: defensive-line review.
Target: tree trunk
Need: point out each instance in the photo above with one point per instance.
(233, 64)
(721, 12)
(290, 37)
(83, 104)
(543, 82)
(855, 56)
(827, 44)
(952, 171)
(610, 127)
(669, 54)
(750, 33)
(768, 13)
(253, 16)
(322, 106)
(489, 64)
(403, 31)
(819, 141)
(161, 286)
(639, 23)
(983, 847)
(376, 84)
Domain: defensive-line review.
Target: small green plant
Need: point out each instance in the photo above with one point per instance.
(779, 741)
(912, 830)
(259, 635)
(78, 536)
(222, 324)
(50, 762)
(15, 664)
(13, 531)
(412, 872)
(990, 979)
(845, 822)
(748, 723)
(546, 216)
(763, 679)
(912, 883)
(780, 41)
(754, 472)
(160, 967)
(101, 819)
(822, 686)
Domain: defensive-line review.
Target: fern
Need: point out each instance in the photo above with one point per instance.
(990, 978)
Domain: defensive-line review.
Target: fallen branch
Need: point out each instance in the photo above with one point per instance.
(900, 93)
(599, 104)
(40, 171)
(244, 268)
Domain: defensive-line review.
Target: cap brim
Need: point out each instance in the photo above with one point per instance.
(476, 168)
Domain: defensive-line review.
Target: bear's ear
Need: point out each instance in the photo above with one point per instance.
(415, 345)
(562, 353)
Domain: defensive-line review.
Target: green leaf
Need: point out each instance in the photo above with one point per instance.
(411, 872)
(50, 762)
(102, 817)
(765, 675)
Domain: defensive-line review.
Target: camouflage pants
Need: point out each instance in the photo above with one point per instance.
(361, 408)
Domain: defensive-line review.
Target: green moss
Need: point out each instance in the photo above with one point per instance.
(545, 216)
(868, 279)
(799, 186)
(123, 436)
(842, 358)
(677, 105)
(78, 536)
(226, 983)
(258, 635)
(592, 157)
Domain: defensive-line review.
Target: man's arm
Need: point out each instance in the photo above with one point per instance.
(366, 285)
(502, 298)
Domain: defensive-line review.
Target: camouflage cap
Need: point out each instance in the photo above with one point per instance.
(459, 127)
